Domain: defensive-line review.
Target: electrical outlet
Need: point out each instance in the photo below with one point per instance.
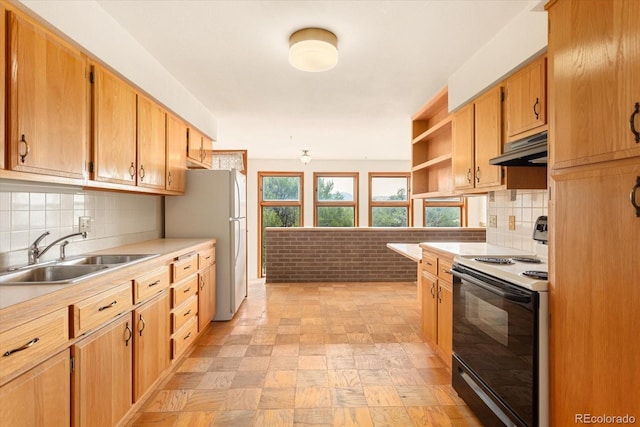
(84, 224)
(512, 222)
(493, 221)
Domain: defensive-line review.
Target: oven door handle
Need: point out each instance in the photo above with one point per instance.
(524, 299)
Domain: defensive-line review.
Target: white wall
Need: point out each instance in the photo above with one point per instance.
(86, 23)
(261, 165)
(521, 39)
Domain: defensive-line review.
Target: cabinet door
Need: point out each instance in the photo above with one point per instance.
(429, 308)
(463, 147)
(445, 319)
(207, 152)
(101, 391)
(526, 100)
(48, 103)
(488, 141)
(176, 153)
(151, 353)
(594, 284)
(151, 144)
(594, 72)
(114, 139)
(40, 397)
(206, 297)
(194, 150)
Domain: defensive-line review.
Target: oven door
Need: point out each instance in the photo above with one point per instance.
(495, 343)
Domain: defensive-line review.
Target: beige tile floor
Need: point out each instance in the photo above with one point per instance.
(312, 355)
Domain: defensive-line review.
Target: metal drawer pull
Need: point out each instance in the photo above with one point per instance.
(24, 347)
(632, 123)
(187, 267)
(108, 306)
(26, 149)
(632, 196)
(446, 271)
(187, 290)
(188, 336)
(154, 283)
(428, 263)
(187, 313)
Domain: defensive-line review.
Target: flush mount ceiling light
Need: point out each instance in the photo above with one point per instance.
(305, 157)
(313, 49)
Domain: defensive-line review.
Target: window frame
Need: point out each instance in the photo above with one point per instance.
(394, 204)
(462, 204)
(262, 204)
(335, 203)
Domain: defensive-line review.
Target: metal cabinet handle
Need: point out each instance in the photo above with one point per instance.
(26, 149)
(24, 347)
(132, 171)
(154, 283)
(144, 325)
(632, 122)
(469, 176)
(186, 268)
(433, 289)
(129, 336)
(187, 290)
(632, 196)
(141, 173)
(535, 110)
(108, 305)
(202, 283)
(169, 179)
(188, 312)
(478, 174)
(187, 336)
(440, 295)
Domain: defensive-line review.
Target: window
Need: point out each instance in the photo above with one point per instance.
(336, 199)
(445, 212)
(389, 203)
(280, 200)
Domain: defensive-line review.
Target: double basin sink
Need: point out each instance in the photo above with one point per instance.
(70, 270)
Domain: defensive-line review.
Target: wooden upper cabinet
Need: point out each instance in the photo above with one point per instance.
(194, 148)
(526, 98)
(488, 137)
(594, 68)
(207, 152)
(114, 133)
(47, 102)
(176, 154)
(151, 144)
(463, 151)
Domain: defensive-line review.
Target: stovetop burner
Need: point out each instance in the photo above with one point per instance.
(494, 260)
(529, 260)
(541, 275)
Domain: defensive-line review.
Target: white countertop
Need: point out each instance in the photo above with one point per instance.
(474, 248)
(409, 250)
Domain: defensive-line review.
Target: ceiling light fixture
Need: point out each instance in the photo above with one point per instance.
(313, 49)
(305, 157)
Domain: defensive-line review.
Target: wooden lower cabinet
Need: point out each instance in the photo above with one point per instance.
(437, 302)
(40, 397)
(101, 381)
(151, 353)
(206, 297)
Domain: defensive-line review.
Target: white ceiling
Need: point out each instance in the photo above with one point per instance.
(393, 56)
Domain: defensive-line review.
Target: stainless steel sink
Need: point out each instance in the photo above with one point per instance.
(106, 259)
(53, 274)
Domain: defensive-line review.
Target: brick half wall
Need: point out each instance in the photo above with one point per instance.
(350, 254)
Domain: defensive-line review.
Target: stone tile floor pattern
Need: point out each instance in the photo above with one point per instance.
(324, 354)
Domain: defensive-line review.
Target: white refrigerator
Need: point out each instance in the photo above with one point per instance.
(215, 206)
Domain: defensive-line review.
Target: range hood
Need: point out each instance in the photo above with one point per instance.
(529, 151)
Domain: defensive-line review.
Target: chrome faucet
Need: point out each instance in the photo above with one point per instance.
(35, 253)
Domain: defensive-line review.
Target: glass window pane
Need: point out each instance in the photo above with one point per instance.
(335, 188)
(280, 188)
(389, 217)
(336, 216)
(442, 216)
(389, 188)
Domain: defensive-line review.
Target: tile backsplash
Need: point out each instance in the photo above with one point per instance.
(526, 206)
(28, 210)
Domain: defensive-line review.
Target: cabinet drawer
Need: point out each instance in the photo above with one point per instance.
(97, 310)
(206, 258)
(184, 290)
(444, 270)
(185, 267)
(181, 315)
(184, 337)
(429, 263)
(150, 284)
(33, 341)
